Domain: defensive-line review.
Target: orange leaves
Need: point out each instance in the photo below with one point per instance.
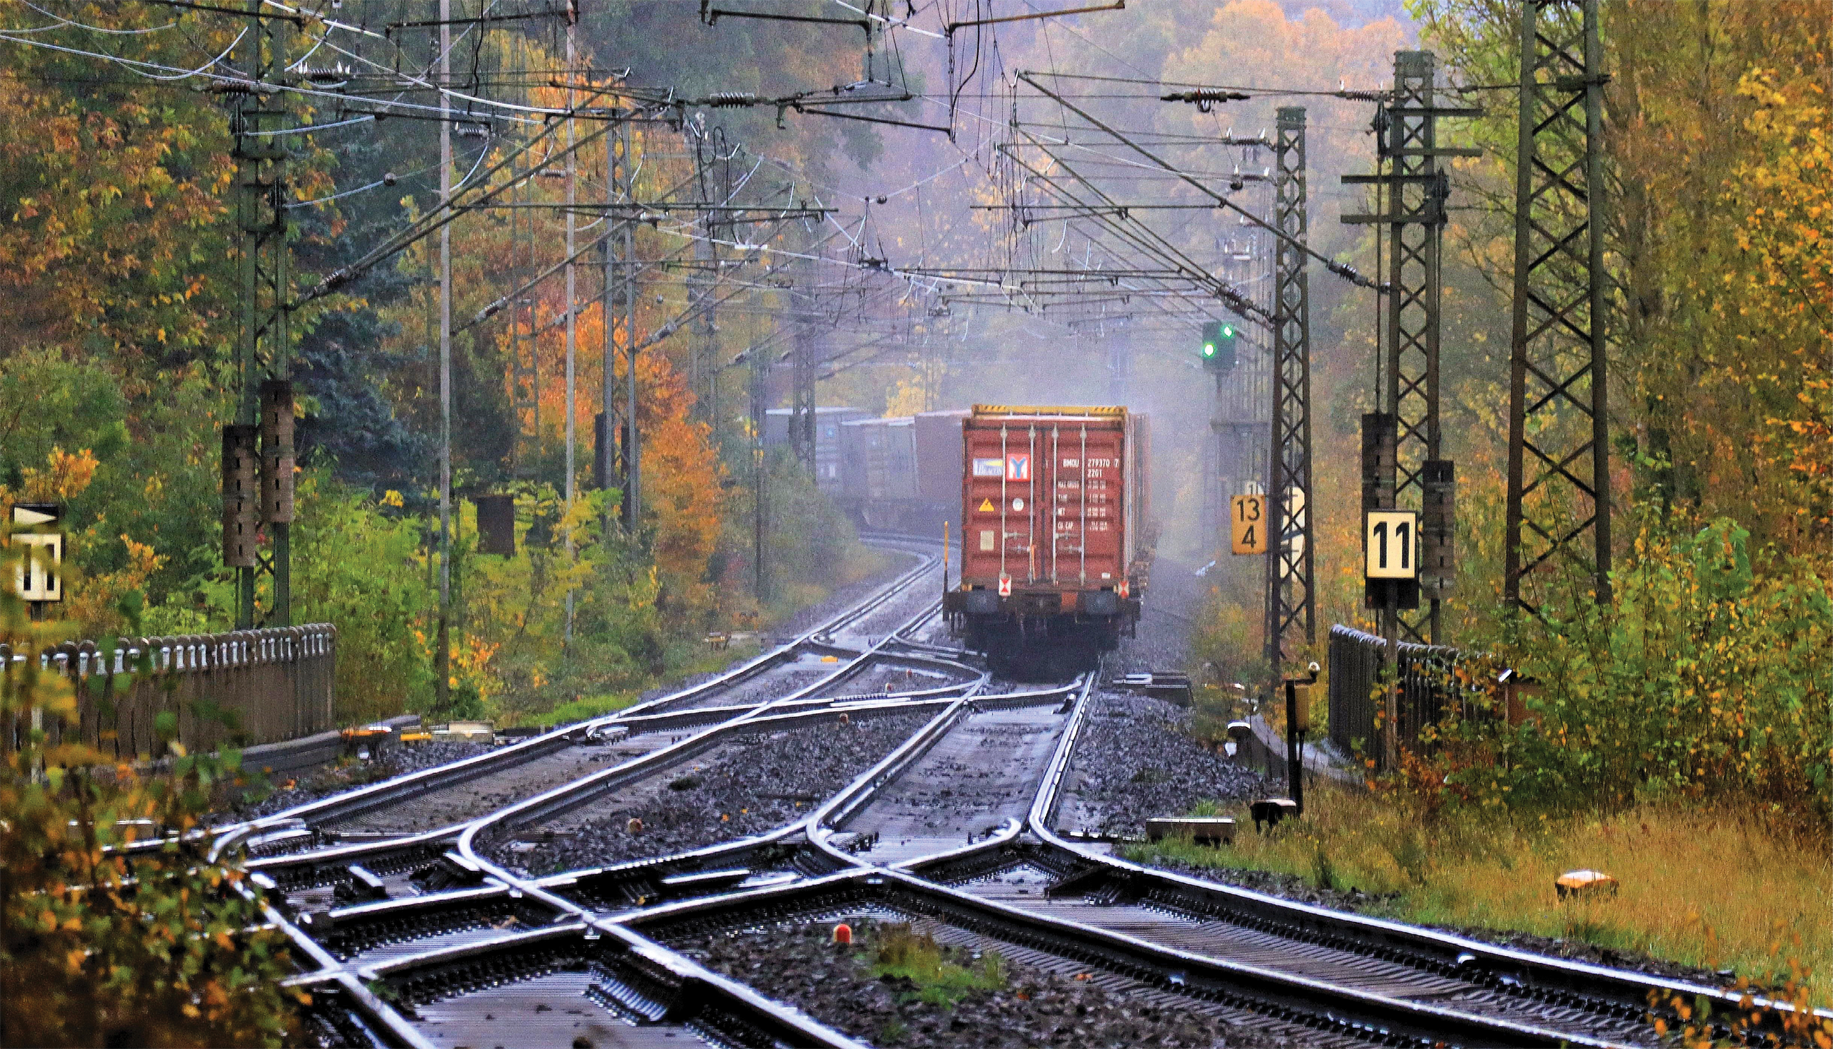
(64, 477)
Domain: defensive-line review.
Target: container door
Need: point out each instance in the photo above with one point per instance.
(1104, 476)
(1068, 503)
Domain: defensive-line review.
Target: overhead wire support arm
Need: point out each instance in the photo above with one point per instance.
(1343, 270)
(869, 120)
(298, 21)
(949, 29)
(433, 23)
(1138, 234)
(710, 15)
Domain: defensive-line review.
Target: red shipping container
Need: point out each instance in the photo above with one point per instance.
(1051, 501)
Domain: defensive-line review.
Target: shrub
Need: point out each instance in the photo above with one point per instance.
(100, 945)
(1704, 677)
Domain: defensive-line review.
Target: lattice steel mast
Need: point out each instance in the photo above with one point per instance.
(1290, 603)
(1558, 439)
(265, 408)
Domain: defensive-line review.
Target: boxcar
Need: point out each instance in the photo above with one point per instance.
(828, 421)
(1053, 554)
(902, 474)
(878, 471)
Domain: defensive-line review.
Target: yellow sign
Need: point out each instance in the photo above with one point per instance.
(986, 506)
(1390, 544)
(36, 577)
(1247, 524)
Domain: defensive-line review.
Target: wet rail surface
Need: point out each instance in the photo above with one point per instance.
(955, 830)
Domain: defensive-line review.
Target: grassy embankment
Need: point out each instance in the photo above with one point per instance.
(1712, 887)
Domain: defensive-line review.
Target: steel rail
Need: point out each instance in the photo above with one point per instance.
(389, 855)
(1621, 993)
(1347, 1011)
(345, 804)
(560, 799)
(351, 928)
(1384, 1012)
(424, 849)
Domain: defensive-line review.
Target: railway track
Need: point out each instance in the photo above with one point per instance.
(397, 823)
(953, 829)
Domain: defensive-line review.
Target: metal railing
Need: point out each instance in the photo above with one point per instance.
(1356, 662)
(243, 687)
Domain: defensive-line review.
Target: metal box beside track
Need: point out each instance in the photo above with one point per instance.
(1052, 551)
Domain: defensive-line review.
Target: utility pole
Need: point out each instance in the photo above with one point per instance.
(572, 293)
(1291, 604)
(760, 509)
(442, 656)
(703, 365)
(1558, 423)
(1239, 422)
(605, 440)
(633, 447)
(524, 363)
(258, 486)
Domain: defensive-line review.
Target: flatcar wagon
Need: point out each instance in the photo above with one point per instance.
(1053, 556)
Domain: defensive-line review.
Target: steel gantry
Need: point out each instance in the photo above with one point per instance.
(1558, 441)
(1411, 192)
(258, 486)
(1291, 604)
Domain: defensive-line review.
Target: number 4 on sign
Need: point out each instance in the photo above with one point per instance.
(1247, 524)
(1390, 544)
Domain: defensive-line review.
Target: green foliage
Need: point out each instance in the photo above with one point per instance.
(366, 573)
(100, 944)
(935, 975)
(1708, 675)
(354, 567)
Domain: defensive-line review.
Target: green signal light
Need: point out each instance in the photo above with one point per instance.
(1228, 331)
(1209, 349)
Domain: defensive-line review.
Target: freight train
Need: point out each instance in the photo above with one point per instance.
(1054, 548)
(1045, 507)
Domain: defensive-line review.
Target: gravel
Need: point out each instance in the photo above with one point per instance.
(303, 787)
(1161, 640)
(845, 597)
(796, 963)
(1134, 760)
(751, 786)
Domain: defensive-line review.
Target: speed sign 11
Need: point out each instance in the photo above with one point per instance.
(1390, 544)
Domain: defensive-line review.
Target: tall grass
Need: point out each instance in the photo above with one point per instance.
(1714, 887)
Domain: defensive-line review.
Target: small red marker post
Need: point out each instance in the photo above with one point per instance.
(843, 934)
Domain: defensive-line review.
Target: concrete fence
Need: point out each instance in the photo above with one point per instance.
(243, 687)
